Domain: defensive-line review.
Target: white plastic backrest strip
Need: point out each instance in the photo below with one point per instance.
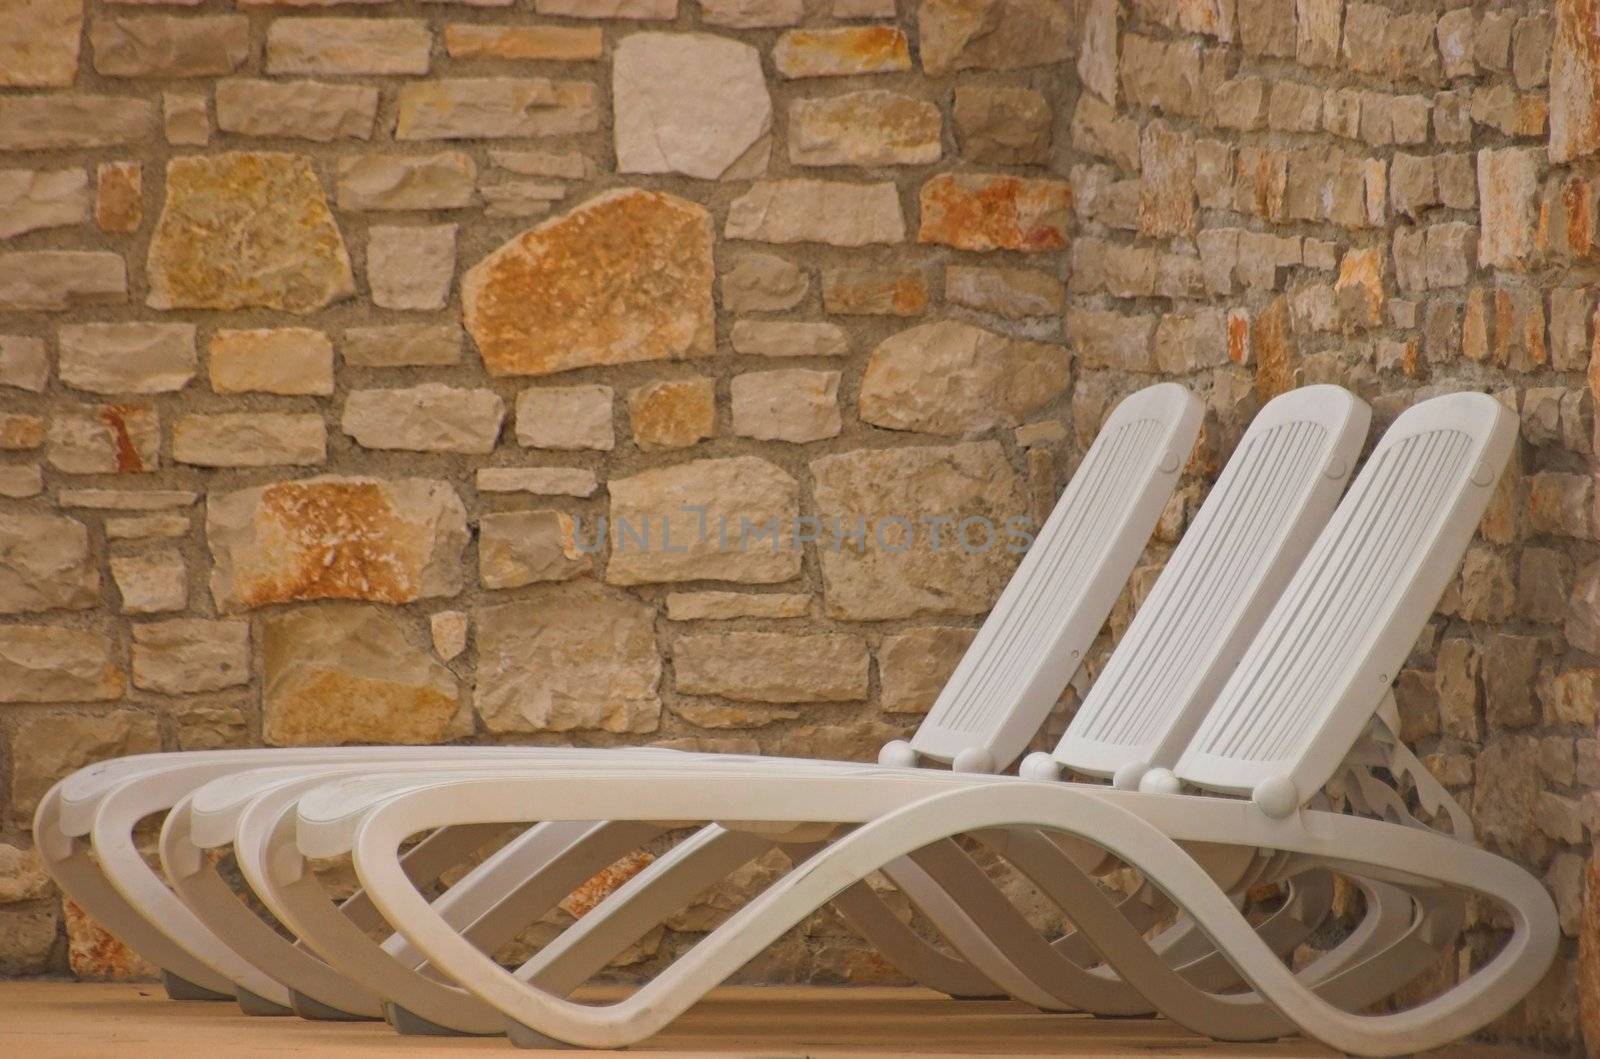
(1256, 525)
(1035, 637)
(1330, 649)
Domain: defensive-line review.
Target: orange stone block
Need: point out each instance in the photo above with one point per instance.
(117, 203)
(976, 211)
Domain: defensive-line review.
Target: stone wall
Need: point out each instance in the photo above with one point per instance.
(328, 335)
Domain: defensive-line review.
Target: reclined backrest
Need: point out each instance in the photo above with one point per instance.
(1035, 637)
(1250, 536)
(1327, 654)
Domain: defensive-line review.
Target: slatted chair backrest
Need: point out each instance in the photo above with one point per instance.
(1035, 637)
(1251, 534)
(1329, 651)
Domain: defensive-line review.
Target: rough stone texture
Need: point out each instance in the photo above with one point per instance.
(432, 417)
(901, 573)
(53, 280)
(127, 358)
(841, 51)
(348, 46)
(305, 110)
(871, 128)
(771, 667)
(466, 40)
(673, 413)
(643, 291)
(689, 103)
(169, 45)
(1001, 125)
(975, 211)
(493, 107)
(875, 292)
(118, 207)
(39, 43)
(59, 743)
(402, 346)
(914, 665)
(762, 283)
(349, 673)
(50, 663)
(544, 481)
(249, 439)
(789, 339)
(567, 659)
(48, 122)
(390, 541)
(45, 564)
(705, 520)
(517, 548)
(565, 417)
(817, 211)
(411, 267)
(246, 229)
(406, 182)
(31, 199)
(724, 606)
(789, 405)
(187, 655)
(151, 582)
(106, 439)
(992, 34)
(287, 361)
(1014, 293)
(953, 378)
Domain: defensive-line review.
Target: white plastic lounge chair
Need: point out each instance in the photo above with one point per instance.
(1256, 526)
(1289, 718)
(84, 824)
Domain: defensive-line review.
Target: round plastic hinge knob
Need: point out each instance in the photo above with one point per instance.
(973, 759)
(1128, 776)
(1337, 469)
(1276, 797)
(1169, 463)
(1160, 781)
(898, 754)
(1040, 767)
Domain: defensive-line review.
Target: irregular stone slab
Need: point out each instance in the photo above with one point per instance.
(60, 743)
(449, 630)
(992, 34)
(470, 108)
(624, 277)
(22, 875)
(722, 606)
(119, 196)
(565, 417)
(1508, 183)
(544, 481)
(49, 663)
(403, 346)
(817, 211)
(789, 405)
(185, 118)
(788, 338)
(126, 499)
(151, 582)
(411, 267)
(1574, 83)
(517, 548)
(348, 46)
(569, 658)
(443, 181)
(1166, 181)
(913, 666)
(31, 199)
(389, 541)
(283, 360)
(60, 279)
(841, 51)
(39, 43)
(20, 431)
(658, 532)
(345, 673)
(977, 211)
(875, 291)
(1003, 125)
(890, 577)
(864, 128)
(46, 123)
(1015, 293)
(24, 363)
(140, 527)
(302, 110)
(246, 229)
(249, 439)
(467, 40)
(954, 378)
(432, 417)
(18, 481)
(521, 198)
(94, 953)
(106, 439)
(28, 938)
(660, 10)
(673, 413)
(568, 165)
(688, 103)
(169, 45)
(772, 666)
(127, 358)
(188, 655)
(752, 14)
(763, 283)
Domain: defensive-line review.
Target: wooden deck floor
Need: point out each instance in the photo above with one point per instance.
(65, 1020)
